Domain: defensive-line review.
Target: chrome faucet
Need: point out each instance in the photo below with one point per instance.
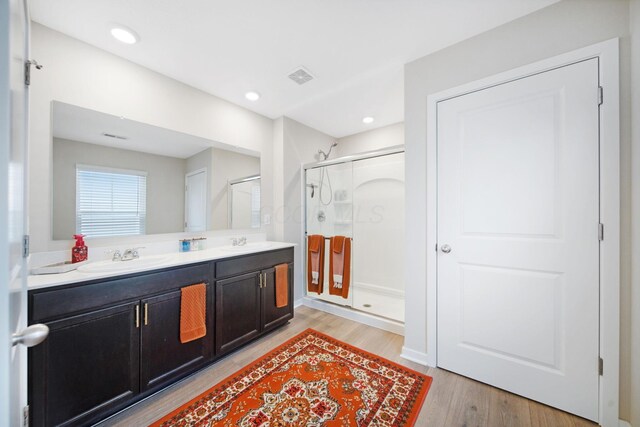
(238, 241)
(130, 254)
(117, 255)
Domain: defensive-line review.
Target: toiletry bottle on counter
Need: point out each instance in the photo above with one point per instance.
(79, 252)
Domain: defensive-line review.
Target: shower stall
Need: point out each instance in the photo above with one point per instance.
(361, 197)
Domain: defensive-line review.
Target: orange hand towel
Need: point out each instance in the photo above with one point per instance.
(315, 263)
(282, 285)
(193, 312)
(340, 266)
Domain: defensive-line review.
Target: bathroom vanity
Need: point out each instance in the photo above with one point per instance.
(114, 339)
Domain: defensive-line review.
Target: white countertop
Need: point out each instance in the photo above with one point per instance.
(168, 260)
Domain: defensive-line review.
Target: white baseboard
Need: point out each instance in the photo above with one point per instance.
(623, 423)
(415, 356)
(297, 303)
(358, 316)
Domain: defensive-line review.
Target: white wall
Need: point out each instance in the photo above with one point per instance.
(384, 137)
(300, 145)
(79, 74)
(562, 27)
(635, 217)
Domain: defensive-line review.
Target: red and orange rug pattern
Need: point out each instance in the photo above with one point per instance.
(312, 380)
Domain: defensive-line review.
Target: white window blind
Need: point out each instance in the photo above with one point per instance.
(110, 202)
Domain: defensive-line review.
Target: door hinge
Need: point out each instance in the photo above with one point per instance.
(600, 366)
(600, 95)
(27, 70)
(600, 231)
(25, 416)
(25, 246)
(436, 247)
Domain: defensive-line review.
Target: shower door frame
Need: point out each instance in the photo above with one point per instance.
(395, 149)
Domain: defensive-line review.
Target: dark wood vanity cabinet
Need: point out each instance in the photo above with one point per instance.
(246, 303)
(163, 358)
(115, 341)
(88, 364)
(273, 316)
(237, 311)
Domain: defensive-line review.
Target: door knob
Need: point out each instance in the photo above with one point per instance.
(445, 249)
(33, 335)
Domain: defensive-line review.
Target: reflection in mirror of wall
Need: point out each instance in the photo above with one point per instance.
(115, 177)
(244, 202)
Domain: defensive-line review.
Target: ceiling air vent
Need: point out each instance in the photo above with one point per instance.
(110, 135)
(300, 75)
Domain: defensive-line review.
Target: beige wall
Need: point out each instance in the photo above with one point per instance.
(80, 74)
(375, 139)
(165, 184)
(562, 27)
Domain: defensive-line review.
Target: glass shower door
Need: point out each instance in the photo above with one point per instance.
(329, 212)
(378, 236)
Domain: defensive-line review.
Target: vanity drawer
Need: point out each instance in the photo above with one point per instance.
(247, 263)
(59, 302)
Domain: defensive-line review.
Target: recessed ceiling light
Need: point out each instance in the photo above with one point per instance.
(252, 96)
(124, 34)
(367, 120)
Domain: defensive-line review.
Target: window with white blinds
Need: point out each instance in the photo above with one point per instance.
(110, 202)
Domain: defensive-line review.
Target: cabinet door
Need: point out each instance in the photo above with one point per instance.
(237, 311)
(163, 357)
(87, 368)
(273, 316)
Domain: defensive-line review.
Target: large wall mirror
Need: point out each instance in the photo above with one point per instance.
(116, 177)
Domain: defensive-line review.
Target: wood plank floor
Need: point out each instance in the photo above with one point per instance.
(453, 400)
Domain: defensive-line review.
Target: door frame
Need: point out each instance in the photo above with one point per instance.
(607, 53)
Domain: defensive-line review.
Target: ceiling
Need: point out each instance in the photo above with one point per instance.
(81, 124)
(356, 49)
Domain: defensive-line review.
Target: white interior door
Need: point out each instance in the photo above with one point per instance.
(518, 247)
(196, 201)
(13, 146)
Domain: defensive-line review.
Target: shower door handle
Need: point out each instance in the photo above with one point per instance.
(445, 249)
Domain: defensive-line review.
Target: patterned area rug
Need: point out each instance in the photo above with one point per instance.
(312, 380)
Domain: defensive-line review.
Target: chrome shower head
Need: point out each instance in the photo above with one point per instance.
(324, 155)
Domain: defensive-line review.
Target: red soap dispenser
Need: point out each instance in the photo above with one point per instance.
(79, 252)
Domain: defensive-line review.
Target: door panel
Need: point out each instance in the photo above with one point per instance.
(196, 201)
(163, 357)
(518, 294)
(274, 316)
(77, 379)
(238, 315)
(13, 145)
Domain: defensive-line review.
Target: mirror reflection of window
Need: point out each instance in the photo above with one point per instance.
(110, 202)
(244, 202)
(115, 143)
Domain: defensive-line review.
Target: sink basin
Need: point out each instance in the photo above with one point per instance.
(120, 266)
(249, 247)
